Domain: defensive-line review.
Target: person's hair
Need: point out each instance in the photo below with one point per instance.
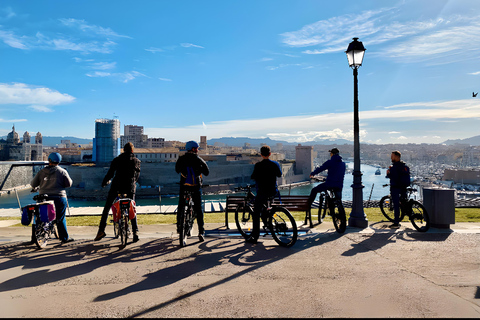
(265, 151)
(128, 147)
(397, 153)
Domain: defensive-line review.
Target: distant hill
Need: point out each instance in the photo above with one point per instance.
(240, 142)
(473, 141)
(53, 141)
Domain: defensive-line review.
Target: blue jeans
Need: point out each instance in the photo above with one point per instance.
(60, 210)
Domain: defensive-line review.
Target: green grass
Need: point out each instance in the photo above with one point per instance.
(373, 215)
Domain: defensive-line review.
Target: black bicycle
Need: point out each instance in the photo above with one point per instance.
(330, 203)
(43, 214)
(276, 219)
(187, 218)
(408, 207)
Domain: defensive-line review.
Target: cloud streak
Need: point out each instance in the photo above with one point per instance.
(405, 41)
(334, 125)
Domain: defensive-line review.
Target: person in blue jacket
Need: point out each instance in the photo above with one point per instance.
(336, 173)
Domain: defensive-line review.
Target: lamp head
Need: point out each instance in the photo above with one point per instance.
(355, 53)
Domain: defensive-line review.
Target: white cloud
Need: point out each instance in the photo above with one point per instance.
(475, 73)
(122, 76)
(406, 41)
(91, 29)
(154, 50)
(12, 40)
(103, 65)
(334, 125)
(20, 93)
(164, 79)
(99, 74)
(40, 108)
(189, 45)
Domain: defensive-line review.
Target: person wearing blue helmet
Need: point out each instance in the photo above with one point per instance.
(191, 168)
(53, 180)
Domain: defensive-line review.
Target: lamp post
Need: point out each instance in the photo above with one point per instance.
(355, 53)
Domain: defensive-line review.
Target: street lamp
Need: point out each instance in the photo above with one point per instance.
(355, 53)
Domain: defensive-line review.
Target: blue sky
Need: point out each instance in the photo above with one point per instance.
(264, 68)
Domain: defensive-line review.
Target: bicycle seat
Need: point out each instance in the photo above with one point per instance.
(40, 197)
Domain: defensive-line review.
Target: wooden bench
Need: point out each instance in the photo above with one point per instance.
(292, 203)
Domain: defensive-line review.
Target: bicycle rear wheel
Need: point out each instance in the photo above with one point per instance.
(339, 218)
(244, 220)
(283, 227)
(419, 217)
(322, 210)
(122, 228)
(41, 234)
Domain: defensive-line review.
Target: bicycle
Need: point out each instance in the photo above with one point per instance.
(276, 218)
(408, 207)
(44, 223)
(187, 218)
(330, 203)
(121, 216)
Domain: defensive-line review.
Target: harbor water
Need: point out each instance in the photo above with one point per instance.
(369, 179)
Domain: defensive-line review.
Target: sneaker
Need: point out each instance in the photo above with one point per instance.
(100, 235)
(68, 240)
(201, 237)
(135, 237)
(394, 226)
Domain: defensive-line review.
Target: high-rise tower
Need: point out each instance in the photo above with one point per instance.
(106, 144)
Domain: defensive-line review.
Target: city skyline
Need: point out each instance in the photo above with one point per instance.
(253, 69)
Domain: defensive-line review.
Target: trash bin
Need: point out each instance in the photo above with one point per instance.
(440, 206)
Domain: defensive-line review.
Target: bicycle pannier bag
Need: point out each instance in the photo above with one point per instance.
(132, 213)
(47, 211)
(27, 214)
(116, 211)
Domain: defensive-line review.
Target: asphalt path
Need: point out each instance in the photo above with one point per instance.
(374, 272)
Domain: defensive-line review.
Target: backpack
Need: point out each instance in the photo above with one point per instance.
(405, 176)
(191, 179)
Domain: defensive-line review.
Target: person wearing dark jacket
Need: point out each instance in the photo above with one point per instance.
(398, 189)
(53, 180)
(191, 168)
(335, 176)
(125, 170)
(265, 174)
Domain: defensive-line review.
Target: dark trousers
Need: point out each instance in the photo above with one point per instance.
(260, 202)
(112, 195)
(397, 194)
(197, 206)
(320, 188)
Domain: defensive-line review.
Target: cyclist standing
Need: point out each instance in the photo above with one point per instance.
(335, 176)
(125, 171)
(398, 189)
(191, 168)
(53, 180)
(265, 174)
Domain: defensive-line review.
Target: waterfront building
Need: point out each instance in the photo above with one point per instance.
(106, 144)
(14, 150)
(135, 135)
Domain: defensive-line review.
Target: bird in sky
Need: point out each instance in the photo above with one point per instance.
(474, 94)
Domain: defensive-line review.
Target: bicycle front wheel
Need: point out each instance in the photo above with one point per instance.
(386, 206)
(283, 227)
(419, 217)
(339, 218)
(244, 220)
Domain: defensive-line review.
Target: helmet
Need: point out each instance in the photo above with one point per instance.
(55, 157)
(190, 145)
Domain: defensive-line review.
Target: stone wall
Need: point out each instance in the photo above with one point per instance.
(18, 177)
